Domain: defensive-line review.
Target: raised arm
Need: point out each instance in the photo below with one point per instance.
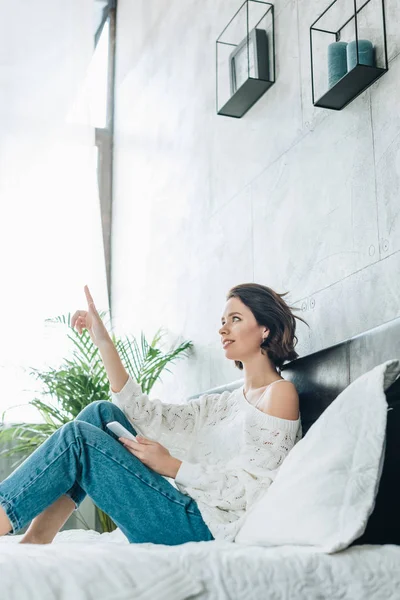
(116, 372)
(91, 321)
(169, 424)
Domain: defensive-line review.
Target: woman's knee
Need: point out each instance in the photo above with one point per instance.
(98, 410)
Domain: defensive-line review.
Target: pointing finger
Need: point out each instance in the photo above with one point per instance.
(89, 296)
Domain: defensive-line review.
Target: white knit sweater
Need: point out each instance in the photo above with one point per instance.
(230, 450)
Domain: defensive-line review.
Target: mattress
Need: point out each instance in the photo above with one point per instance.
(86, 565)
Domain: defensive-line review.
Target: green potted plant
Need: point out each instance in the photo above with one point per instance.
(83, 380)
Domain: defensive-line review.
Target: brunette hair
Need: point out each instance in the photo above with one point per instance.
(270, 310)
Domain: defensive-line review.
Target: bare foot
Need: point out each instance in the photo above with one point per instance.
(31, 540)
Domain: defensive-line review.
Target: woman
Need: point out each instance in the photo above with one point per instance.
(195, 468)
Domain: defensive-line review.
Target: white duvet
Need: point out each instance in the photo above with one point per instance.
(86, 565)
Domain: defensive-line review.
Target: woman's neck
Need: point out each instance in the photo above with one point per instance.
(258, 371)
(261, 382)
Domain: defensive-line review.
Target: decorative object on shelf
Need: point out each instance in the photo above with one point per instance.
(337, 62)
(245, 58)
(366, 54)
(255, 65)
(348, 51)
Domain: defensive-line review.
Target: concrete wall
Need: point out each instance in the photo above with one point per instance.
(298, 198)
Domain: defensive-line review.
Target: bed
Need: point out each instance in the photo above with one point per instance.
(85, 564)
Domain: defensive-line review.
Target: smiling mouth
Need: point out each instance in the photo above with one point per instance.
(227, 344)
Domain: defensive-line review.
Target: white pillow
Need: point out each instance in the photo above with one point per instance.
(326, 487)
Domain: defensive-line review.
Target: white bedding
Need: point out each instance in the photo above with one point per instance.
(86, 565)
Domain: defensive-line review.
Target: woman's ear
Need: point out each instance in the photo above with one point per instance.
(265, 333)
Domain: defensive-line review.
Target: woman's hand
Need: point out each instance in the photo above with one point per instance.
(153, 455)
(91, 321)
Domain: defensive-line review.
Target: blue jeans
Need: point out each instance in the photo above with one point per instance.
(84, 457)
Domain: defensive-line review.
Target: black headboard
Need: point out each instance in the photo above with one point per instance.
(320, 377)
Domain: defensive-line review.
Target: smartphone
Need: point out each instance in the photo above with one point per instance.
(120, 430)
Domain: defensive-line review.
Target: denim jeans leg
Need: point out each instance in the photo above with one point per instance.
(145, 506)
(41, 479)
(98, 413)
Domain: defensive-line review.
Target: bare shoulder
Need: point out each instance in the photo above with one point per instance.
(282, 400)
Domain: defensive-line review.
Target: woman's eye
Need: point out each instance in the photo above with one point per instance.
(232, 320)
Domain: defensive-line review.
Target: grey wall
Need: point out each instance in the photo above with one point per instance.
(298, 198)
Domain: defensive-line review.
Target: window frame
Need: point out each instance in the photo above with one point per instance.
(104, 139)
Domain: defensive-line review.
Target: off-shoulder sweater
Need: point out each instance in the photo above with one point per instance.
(230, 450)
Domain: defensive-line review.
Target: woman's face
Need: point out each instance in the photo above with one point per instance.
(239, 324)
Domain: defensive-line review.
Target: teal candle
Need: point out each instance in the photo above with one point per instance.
(337, 62)
(366, 54)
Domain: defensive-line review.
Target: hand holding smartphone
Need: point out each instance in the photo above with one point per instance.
(120, 430)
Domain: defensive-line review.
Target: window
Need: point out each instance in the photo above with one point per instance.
(50, 191)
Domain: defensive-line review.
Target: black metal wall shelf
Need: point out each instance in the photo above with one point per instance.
(245, 58)
(348, 51)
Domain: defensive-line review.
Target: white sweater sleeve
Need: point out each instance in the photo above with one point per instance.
(164, 422)
(236, 485)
